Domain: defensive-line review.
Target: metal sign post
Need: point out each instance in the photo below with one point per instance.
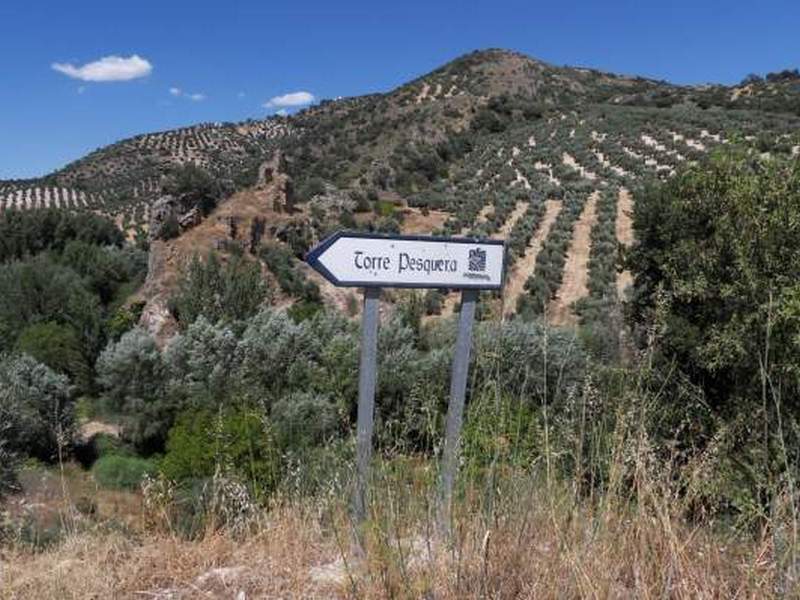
(367, 377)
(374, 261)
(455, 409)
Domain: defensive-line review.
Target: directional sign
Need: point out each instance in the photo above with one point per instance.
(372, 260)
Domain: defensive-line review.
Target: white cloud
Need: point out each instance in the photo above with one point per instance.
(108, 68)
(179, 93)
(292, 100)
(282, 112)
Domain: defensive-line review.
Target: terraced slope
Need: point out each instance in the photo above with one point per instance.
(487, 145)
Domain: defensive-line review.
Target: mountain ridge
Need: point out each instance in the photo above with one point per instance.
(436, 142)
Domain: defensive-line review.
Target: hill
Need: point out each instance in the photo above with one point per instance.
(493, 143)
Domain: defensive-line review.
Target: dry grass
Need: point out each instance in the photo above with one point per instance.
(272, 562)
(525, 542)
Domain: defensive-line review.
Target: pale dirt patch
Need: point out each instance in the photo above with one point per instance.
(570, 161)
(746, 90)
(653, 143)
(523, 268)
(632, 153)
(624, 227)
(658, 146)
(424, 93)
(521, 179)
(607, 164)
(512, 219)
(92, 428)
(695, 144)
(544, 167)
(574, 284)
(414, 222)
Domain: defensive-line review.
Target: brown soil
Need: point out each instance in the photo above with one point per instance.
(481, 218)
(574, 285)
(624, 235)
(452, 299)
(92, 428)
(415, 223)
(168, 257)
(523, 268)
(515, 216)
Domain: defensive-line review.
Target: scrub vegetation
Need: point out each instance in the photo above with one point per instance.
(648, 447)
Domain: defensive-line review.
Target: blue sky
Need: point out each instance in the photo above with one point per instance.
(227, 59)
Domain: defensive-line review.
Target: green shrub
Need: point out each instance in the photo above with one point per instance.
(121, 472)
(233, 440)
(58, 347)
(218, 291)
(194, 187)
(303, 419)
(36, 408)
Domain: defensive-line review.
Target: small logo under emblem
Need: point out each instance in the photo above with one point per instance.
(477, 259)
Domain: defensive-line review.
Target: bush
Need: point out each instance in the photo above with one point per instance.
(122, 472)
(131, 375)
(234, 440)
(58, 347)
(194, 187)
(40, 289)
(27, 233)
(717, 265)
(303, 419)
(721, 245)
(37, 409)
(281, 262)
(220, 292)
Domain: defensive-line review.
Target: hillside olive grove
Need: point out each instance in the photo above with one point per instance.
(694, 386)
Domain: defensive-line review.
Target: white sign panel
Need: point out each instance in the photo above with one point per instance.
(370, 260)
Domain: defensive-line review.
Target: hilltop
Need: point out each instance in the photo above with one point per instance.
(490, 91)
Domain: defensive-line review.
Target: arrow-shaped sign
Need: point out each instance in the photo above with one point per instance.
(373, 260)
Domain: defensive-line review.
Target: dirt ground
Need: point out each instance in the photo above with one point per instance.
(624, 235)
(574, 284)
(415, 223)
(515, 281)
